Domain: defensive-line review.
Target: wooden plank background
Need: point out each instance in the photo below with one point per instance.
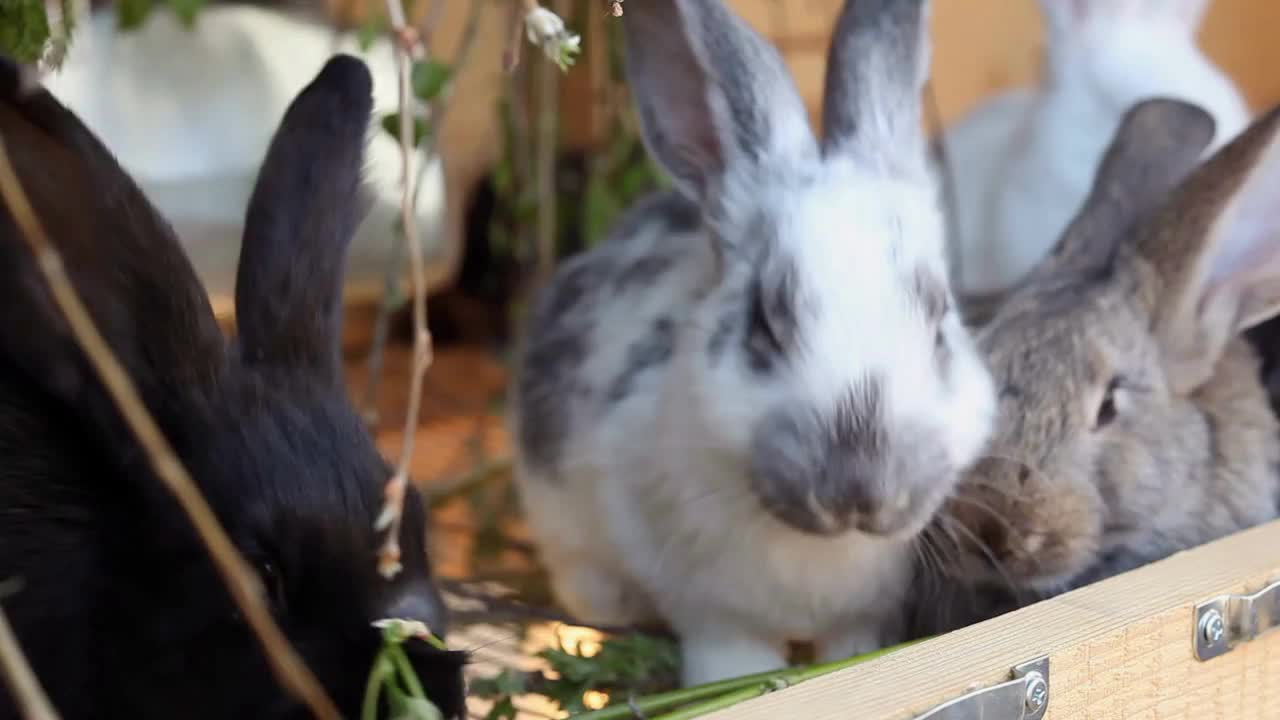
(981, 47)
(1120, 649)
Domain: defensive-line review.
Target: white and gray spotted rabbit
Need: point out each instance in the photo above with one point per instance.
(1132, 421)
(736, 413)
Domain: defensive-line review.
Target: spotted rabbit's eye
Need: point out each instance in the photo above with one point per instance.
(941, 348)
(761, 328)
(1107, 408)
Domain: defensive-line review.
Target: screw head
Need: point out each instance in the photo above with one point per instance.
(1037, 692)
(1213, 627)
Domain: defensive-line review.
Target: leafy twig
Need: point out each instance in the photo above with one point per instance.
(393, 508)
(436, 113)
(545, 29)
(440, 106)
(243, 584)
(549, 30)
(22, 682)
(699, 700)
(394, 676)
(545, 161)
(621, 664)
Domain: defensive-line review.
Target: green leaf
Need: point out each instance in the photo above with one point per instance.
(526, 209)
(391, 124)
(374, 25)
(407, 707)
(186, 10)
(503, 709)
(503, 177)
(430, 79)
(636, 180)
(68, 20)
(131, 14)
(24, 29)
(499, 237)
(600, 207)
(507, 682)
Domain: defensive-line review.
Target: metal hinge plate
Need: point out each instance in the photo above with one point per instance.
(1025, 697)
(1229, 620)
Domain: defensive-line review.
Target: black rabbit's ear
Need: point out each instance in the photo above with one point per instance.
(304, 210)
(120, 254)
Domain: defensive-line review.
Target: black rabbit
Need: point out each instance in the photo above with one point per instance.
(118, 607)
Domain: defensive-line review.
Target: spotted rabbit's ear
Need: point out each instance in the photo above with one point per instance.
(715, 101)
(120, 254)
(304, 210)
(876, 70)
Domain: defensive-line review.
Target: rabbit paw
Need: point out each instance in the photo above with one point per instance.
(857, 639)
(711, 654)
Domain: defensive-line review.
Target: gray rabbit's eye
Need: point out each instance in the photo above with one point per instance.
(1107, 409)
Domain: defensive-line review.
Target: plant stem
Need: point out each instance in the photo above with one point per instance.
(393, 509)
(721, 702)
(515, 35)
(22, 681)
(545, 163)
(381, 671)
(738, 689)
(242, 583)
(410, 678)
(391, 279)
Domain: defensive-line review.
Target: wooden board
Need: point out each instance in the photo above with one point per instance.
(1121, 648)
(981, 47)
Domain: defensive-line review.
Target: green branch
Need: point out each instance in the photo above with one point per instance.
(699, 700)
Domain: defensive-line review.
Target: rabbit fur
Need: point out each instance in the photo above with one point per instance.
(1021, 163)
(118, 608)
(734, 414)
(1132, 422)
(189, 113)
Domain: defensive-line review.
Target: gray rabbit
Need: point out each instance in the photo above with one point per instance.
(1132, 422)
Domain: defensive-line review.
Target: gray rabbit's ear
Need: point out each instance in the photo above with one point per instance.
(714, 98)
(119, 253)
(306, 206)
(876, 69)
(1157, 145)
(1216, 252)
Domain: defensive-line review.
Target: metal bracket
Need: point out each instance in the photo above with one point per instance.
(1025, 697)
(1228, 620)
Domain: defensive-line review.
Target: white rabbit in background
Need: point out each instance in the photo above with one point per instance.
(1022, 162)
(189, 114)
